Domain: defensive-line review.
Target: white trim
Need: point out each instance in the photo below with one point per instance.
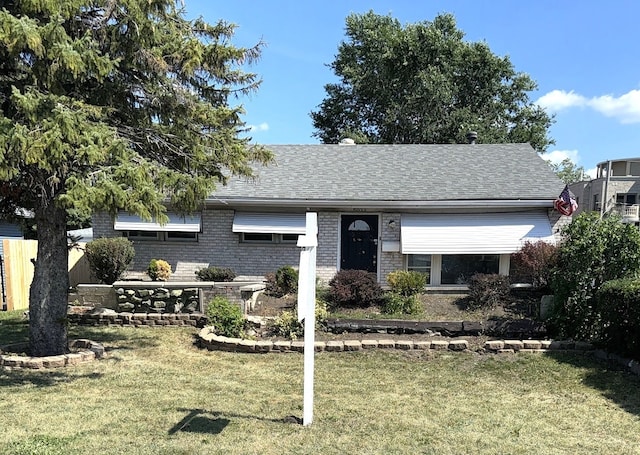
(480, 233)
(269, 223)
(176, 223)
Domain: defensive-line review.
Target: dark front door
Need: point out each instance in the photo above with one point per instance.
(359, 248)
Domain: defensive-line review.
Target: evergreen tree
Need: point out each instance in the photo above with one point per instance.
(112, 105)
(422, 83)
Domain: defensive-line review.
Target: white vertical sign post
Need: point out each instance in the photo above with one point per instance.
(307, 308)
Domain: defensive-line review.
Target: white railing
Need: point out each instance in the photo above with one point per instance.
(628, 213)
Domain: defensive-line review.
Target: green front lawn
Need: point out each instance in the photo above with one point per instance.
(156, 393)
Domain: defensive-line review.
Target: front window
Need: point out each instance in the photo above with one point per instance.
(419, 263)
(267, 237)
(459, 268)
(625, 199)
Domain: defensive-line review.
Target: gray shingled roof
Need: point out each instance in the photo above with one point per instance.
(399, 173)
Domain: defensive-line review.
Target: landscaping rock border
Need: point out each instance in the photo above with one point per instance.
(85, 351)
(139, 319)
(208, 339)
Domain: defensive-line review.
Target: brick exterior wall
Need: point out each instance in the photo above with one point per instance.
(218, 246)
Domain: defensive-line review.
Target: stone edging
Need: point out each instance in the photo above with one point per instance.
(87, 351)
(209, 340)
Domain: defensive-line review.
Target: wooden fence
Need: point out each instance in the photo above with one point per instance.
(18, 270)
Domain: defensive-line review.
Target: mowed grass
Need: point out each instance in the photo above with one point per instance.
(156, 393)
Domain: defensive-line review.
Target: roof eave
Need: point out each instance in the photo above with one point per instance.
(381, 204)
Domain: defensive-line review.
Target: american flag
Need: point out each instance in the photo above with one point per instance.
(566, 203)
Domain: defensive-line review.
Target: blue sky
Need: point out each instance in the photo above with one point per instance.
(584, 56)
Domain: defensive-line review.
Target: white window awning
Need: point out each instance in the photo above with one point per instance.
(176, 223)
(269, 223)
(482, 233)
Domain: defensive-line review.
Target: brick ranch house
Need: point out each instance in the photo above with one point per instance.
(450, 210)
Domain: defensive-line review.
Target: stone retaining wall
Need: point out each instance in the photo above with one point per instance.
(165, 297)
(139, 319)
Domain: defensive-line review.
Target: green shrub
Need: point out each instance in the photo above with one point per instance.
(487, 290)
(212, 273)
(226, 317)
(287, 325)
(594, 250)
(159, 270)
(287, 279)
(395, 303)
(271, 287)
(355, 288)
(109, 258)
(619, 315)
(534, 263)
(407, 283)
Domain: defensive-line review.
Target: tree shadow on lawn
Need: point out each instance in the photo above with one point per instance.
(614, 381)
(131, 339)
(213, 422)
(40, 378)
(13, 331)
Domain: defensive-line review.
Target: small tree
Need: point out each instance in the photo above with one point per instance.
(593, 251)
(109, 258)
(535, 261)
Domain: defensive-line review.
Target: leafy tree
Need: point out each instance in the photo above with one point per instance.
(422, 83)
(592, 252)
(568, 171)
(108, 105)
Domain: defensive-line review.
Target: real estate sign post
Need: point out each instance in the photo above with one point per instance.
(307, 308)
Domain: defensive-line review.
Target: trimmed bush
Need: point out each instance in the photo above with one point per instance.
(407, 283)
(488, 290)
(355, 288)
(284, 281)
(159, 270)
(212, 273)
(287, 279)
(109, 258)
(395, 303)
(226, 317)
(618, 305)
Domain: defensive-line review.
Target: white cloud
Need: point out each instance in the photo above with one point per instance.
(556, 156)
(591, 172)
(625, 108)
(262, 127)
(557, 100)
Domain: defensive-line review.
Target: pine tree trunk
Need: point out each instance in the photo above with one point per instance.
(50, 286)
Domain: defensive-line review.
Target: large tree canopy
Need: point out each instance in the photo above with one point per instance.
(423, 84)
(108, 105)
(568, 171)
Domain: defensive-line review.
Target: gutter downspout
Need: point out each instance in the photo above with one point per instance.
(605, 196)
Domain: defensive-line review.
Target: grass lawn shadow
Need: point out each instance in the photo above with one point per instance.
(213, 422)
(41, 378)
(612, 380)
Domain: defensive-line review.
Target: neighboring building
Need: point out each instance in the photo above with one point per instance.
(615, 192)
(450, 210)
